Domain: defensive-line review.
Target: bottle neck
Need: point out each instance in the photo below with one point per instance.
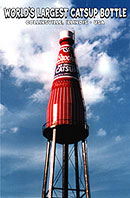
(65, 41)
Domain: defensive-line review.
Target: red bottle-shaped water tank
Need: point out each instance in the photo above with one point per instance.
(66, 111)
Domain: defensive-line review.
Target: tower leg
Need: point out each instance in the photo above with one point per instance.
(65, 171)
(53, 148)
(76, 171)
(85, 169)
(46, 169)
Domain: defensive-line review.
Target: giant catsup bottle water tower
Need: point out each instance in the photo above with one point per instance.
(66, 124)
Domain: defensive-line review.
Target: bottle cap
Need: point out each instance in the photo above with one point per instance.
(66, 35)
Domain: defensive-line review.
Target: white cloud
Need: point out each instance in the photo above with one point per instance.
(3, 131)
(109, 31)
(16, 3)
(59, 4)
(100, 157)
(107, 66)
(85, 53)
(3, 109)
(103, 69)
(117, 139)
(121, 100)
(97, 118)
(15, 118)
(92, 93)
(39, 96)
(101, 79)
(90, 114)
(104, 66)
(14, 129)
(101, 132)
(23, 158)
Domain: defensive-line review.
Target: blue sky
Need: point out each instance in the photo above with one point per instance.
(27, 58)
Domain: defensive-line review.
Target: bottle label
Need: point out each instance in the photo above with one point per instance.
(66, 69)
(66, 65)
